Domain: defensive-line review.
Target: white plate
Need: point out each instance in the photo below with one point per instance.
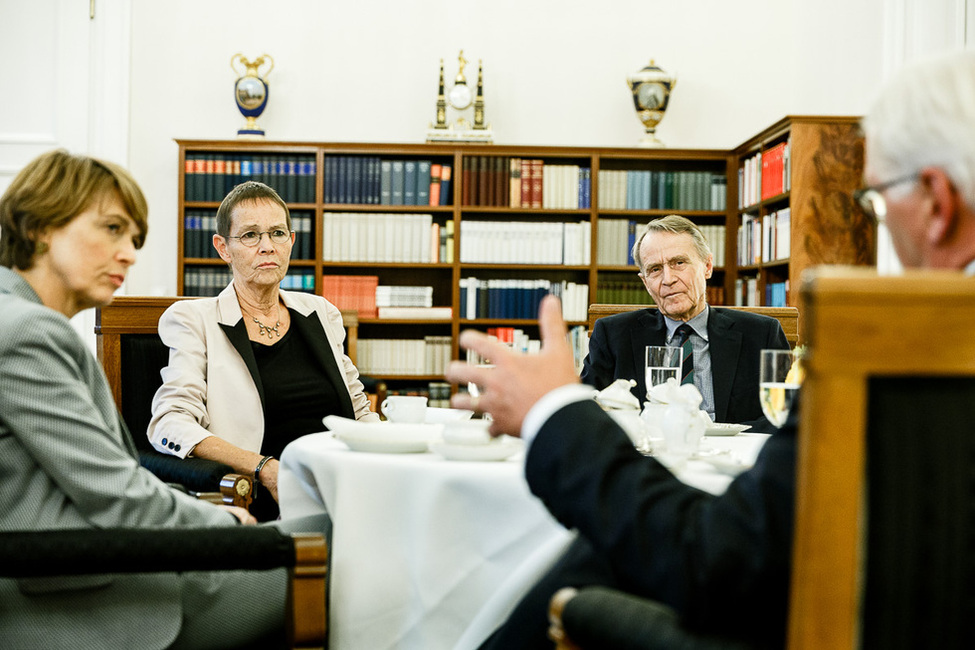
(383, 437)
(495, 450)
(725, 429)
(727, 464)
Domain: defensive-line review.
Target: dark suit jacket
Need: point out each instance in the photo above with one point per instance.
(722, 561)
(617, 350)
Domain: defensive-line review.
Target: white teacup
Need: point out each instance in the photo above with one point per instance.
(410, 409)
(467, 432)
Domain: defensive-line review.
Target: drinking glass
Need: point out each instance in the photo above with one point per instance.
(663, 362)
(778, 384)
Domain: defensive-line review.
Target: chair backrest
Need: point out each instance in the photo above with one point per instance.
(787, 316)
(884, 524)
(132, 355)
(128, 346)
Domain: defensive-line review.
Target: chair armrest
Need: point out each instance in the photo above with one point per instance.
(201, 475)
(597, 617)
(126, 550)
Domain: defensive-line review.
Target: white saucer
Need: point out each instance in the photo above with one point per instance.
(727, 464)
(495, 450)
(725, 429)
(383, 437)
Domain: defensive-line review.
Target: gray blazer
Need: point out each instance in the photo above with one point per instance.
(65, 462)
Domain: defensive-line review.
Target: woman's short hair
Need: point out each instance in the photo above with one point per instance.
(52, 190)
(247, 191)
(678, 225)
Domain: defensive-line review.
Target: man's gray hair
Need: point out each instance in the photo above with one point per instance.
(678, 225)
(925, 117)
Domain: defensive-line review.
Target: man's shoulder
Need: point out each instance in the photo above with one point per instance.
(742, 316)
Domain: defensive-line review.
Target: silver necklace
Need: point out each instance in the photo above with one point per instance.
(268, 329)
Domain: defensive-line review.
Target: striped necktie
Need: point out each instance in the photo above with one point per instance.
(687, 353)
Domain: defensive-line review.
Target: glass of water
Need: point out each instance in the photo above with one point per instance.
(778, 383)
(663, 362)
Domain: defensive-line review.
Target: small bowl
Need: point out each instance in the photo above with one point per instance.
(467, 432)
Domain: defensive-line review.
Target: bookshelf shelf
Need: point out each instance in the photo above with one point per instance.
(598, 196)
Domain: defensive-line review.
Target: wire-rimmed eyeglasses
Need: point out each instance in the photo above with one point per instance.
(871, 199)
(252, 237)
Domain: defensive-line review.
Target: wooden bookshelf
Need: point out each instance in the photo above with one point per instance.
(626, 188)
(825, 166)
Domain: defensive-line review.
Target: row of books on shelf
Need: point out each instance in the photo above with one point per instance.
(209, 176)
(371, 180)
(436, 392)
(747, 293)
(525, 242)
(379, 237)
(519, 299)
(427, 356)
(616, 237)
(501, 181)
(636, 189)
(764, 175)
(765, 238)
(363, 294)
(199, 226)
(211, 280)
(519, 341)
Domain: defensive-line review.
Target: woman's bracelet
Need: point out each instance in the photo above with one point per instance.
(260, 466)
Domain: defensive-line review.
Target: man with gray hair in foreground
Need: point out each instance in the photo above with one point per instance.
(721, 562)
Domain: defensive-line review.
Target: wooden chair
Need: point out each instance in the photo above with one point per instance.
(56, 553)
(787, 316)
(884, 523)
(132, 355)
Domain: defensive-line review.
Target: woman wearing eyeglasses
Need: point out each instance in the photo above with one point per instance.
(255, 367)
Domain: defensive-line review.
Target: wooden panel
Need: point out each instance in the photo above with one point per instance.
(858, 325)
(788, 317)
(827, 226)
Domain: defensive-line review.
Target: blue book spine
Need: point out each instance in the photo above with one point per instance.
(423, 182)
(386, 182)
(358, 181)
(409, 182)
(397, 194)
(445, 178)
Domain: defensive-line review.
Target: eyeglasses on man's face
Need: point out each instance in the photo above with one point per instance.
(871, 199)
(252, 237)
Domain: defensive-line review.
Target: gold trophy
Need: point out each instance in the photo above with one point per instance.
(651, 88)
(250, 92)
(460, 98)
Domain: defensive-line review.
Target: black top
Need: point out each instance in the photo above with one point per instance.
(297, 391)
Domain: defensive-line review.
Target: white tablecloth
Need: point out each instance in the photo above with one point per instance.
(429, 553)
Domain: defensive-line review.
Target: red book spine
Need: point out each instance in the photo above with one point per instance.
(434, 184)
(537, 166)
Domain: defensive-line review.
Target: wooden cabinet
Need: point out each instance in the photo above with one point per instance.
(795, 207)
(513, 223)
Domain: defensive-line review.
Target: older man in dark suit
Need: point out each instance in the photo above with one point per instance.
(675, 263)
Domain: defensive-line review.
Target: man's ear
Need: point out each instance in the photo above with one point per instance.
(944, 200)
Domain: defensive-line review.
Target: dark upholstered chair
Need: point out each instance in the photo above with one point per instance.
(597, 617)
(132, 355)
(90, 551)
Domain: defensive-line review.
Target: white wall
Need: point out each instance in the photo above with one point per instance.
(554, 74)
